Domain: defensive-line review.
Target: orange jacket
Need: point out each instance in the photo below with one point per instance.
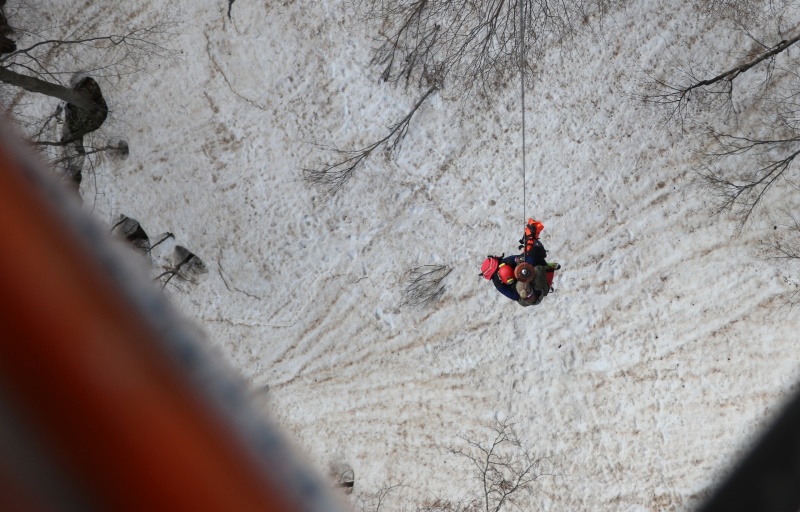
(532, 231)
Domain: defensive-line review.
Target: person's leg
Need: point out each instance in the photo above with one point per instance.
(538, 253)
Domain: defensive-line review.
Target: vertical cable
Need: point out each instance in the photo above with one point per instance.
(522, 88)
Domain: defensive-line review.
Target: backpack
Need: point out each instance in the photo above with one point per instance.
(489, 266)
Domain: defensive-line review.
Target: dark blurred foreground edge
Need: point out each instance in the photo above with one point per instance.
(107, 399)
(768, 478)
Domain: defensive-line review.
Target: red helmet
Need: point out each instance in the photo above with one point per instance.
(506, 274)
(489, 267)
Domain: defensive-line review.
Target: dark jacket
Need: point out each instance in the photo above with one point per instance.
(535, 291)
(509, 290)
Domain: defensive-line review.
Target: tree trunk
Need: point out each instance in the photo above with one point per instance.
(33, 84)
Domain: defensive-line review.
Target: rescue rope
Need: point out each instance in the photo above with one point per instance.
(522, 88)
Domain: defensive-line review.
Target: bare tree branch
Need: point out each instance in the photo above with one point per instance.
(188, 263)
(331, 177)
(55, 54)
(785, 247)
(372, 502)
(676, 95)
(502, 472)
(173, 271)
(424, 285)
(135, 39)
(747, 163)
(473, 44)
(505, 468)
(37, 85)
(56, 61)
(744, 191)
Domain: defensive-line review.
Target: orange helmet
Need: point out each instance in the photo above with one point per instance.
(506, 274)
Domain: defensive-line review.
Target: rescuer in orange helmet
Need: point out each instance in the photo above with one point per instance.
(526, 278)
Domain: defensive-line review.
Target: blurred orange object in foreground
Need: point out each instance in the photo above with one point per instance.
(89, 383)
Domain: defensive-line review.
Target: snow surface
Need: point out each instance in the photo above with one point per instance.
(663, 351)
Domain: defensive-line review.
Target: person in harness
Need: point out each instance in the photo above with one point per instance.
(526, 278)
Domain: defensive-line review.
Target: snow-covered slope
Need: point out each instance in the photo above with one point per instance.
(662, 352)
